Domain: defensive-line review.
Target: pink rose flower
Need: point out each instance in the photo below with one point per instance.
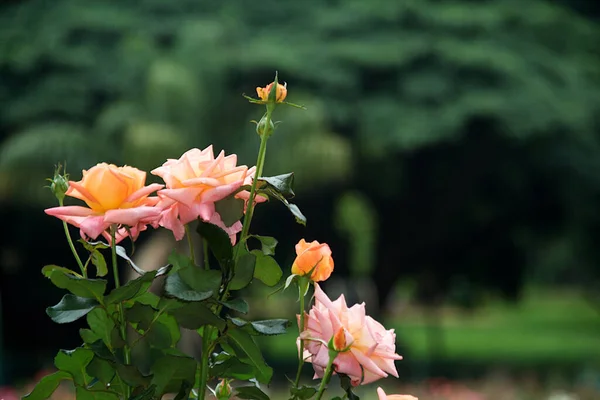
(194, 183)
(114, 195)
(371, 348)
(382, 396)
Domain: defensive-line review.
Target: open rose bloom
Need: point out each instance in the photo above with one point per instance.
(114, 195)
(194, 182)
(371, 348)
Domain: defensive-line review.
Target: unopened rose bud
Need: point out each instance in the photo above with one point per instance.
(223, 390)
(341, 340)
(59, 184)
(280, 92)
(261, 127)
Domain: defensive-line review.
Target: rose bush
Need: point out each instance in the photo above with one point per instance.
(130, 350)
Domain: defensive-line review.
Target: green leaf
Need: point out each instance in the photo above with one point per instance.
(47, 270)
(231, 209)
(82, 393)
(101, 325)
(193, 283)
(88, 288)
(244, 271)
(88, 336)
(132, 376)
(70, 309)
(237, 304)
(179, 261)
(171, 371)
(164, 332)
(195, 315)
(147, 298)
(265, 327)
(147, 394)
(247, 350)
(47, 385)
(283, 184)
(99, 262)
(300, 218)
(141, 314)
(268, 244)
(231, 367)
(346, 384)
(101, 369)
(75, 362)
(271, 326)
(218, 241)
(132, 289)
(266, 270)
(303, 392)
(101, 350)
(251, 393)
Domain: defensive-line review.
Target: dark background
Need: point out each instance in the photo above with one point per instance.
(450, 156)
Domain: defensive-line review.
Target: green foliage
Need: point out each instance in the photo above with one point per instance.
(70, 309)
(132, 289)
(47, 385)
(230, 209)
(65, 279)
(193, 284)
(268, 244)
(266, 269)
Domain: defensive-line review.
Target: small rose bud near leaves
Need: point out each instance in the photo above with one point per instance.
(223, 390)
(342, 340)
(59, 184)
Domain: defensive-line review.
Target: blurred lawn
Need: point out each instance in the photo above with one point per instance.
(548, 327)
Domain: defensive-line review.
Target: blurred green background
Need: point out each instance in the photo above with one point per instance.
(449, 154)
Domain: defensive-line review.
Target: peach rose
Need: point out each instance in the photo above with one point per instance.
(280, 94)
(114, 195)
(370, 347)
(315, 257)
(194, 182)
(382, 396)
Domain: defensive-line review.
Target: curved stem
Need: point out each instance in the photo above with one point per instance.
(188, 233)
(68, 235)
(327, 376)
(122, 322)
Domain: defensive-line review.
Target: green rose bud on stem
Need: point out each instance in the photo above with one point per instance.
(59, 184)
(265, 127)
(223, 390)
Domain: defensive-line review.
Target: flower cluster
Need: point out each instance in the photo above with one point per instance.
(119, 196)
(199, 296)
